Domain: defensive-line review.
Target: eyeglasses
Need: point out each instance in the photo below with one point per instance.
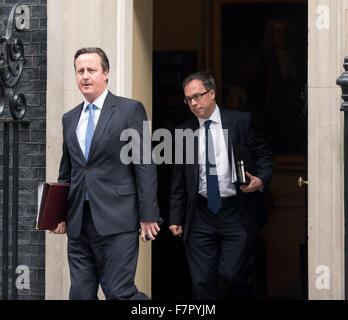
(197, 97)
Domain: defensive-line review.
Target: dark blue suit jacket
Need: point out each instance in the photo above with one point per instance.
(120, 195)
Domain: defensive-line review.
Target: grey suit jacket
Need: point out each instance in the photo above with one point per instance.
(120, 195)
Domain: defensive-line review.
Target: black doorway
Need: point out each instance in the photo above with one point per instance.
(243, 37)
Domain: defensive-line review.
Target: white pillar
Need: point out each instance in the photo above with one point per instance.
(327, 38)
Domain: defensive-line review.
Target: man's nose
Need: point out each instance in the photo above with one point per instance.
(85, 75)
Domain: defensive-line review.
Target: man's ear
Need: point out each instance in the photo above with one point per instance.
(212, 94)
(106, 75)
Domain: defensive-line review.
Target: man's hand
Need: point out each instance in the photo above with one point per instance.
(149, 229)
(254, 185)
(176, 230)
(60, 229)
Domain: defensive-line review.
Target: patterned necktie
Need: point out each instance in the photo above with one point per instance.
(213, 192)
(89, 129)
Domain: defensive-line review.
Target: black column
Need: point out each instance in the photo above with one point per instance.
(8, 180)
(5, 209)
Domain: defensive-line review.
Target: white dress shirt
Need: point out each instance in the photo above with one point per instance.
(226, 174)
(82, 125)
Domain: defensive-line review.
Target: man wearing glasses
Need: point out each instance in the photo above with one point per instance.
(218, 217)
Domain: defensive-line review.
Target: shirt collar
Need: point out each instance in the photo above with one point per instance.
(97, 102)
(215, 117)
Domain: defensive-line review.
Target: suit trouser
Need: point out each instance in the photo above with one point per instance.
(106, 260)
(220, 253)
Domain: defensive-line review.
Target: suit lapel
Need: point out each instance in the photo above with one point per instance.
(195, 126)
(104, 118)
(75, 119)
(226, 124)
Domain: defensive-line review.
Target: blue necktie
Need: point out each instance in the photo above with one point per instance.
(89, 129)
(89, 133)
(213, 192)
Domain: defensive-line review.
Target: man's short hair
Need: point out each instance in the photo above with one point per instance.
(204, 76)
(99, 52)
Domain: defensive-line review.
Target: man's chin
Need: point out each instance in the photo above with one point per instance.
(87, 94)
(200, 114)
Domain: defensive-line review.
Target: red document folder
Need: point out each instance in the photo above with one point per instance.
(52, 205)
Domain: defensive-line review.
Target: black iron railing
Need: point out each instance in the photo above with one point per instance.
(11, 67)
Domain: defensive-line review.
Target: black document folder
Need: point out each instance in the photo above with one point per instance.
(244, 162)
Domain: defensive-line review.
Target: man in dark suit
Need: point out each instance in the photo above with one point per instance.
(218, 217)
(108, 197)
